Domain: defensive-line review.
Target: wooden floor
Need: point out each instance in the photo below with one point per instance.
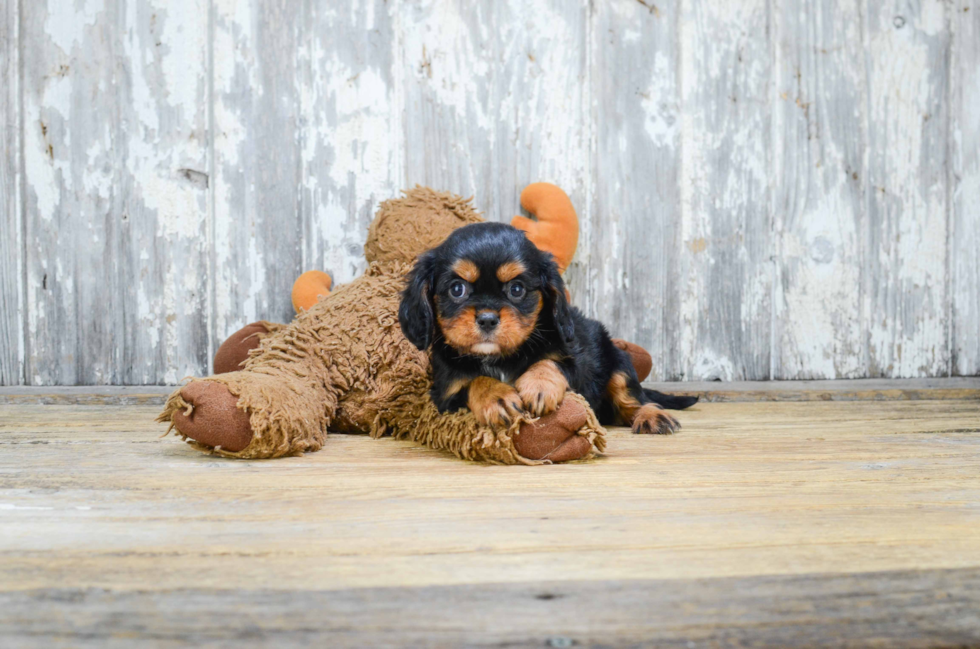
(760, 524)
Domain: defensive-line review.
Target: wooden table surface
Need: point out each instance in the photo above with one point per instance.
(760, 524)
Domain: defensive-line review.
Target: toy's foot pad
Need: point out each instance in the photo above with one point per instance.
(554, 437)
(214, 419)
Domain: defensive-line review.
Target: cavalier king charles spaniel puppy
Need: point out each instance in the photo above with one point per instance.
(492, 309)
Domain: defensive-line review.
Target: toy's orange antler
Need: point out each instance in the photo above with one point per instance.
(556, 230)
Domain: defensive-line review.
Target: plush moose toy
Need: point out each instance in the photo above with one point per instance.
(344, 364)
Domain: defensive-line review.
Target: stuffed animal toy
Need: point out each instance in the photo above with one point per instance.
(344, 364)
(555, 230)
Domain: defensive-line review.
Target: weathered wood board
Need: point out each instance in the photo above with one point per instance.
(909, 608)
(767, 190)
(759, 524)
(906, 284)
(964, 185)
(11, 241)
(819, 203)
(257, 167)
(116, 141)
(632, 234)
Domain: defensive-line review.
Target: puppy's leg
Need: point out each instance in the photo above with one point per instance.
(542, 387)
(633, 406)
(493, 403)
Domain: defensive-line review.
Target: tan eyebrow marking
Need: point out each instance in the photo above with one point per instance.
(510, 270)
(467, 270)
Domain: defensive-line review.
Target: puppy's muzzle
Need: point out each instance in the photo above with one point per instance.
(487, 321)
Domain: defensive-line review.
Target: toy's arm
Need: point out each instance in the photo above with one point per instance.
(309, 288)
(556, 228)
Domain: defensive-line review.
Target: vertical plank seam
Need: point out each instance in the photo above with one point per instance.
(773, 244)
(678, 369)
(397, 109)
(304, 80)
(865, 230)
(20, 193)
(948, 169)
(676, 240)
(209, 225)
(590, 180)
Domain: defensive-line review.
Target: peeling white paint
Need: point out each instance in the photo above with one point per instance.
(719, 192)
(66, 23)
(659, 103)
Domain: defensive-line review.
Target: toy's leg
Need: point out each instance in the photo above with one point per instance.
(233, 353)
(253, 414)
(641, 360)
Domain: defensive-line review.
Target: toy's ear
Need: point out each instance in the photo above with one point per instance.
(557, 297)
(556, 230)
(416, 314)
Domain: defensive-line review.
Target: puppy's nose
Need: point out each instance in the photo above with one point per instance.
(488, 320)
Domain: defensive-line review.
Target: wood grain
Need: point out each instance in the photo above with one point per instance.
(115, 155)
(725, 273)
(773, 189)
(795, 488)
(819, 126)
(906, 284)
(824, 517)
(446, 68)
(900, 608)
(964, 141)
(633, 248)
(11, 222)
(349, 121)
(258, 161)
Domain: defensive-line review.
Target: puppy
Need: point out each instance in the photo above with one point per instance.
(503, 337)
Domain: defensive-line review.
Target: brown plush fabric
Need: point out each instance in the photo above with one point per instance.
(232, 354)
(345, 362)
(405, 228)
(642, 362)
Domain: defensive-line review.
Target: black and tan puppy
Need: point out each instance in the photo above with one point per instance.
(492, 308)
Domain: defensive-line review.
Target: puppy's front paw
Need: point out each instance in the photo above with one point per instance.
(542, 388)
(650, 419)
(494, 403)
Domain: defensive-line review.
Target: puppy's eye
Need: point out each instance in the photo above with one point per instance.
(516, 290)
(457, 289)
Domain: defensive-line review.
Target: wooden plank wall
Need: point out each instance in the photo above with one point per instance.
(784, 189)
(11, 241)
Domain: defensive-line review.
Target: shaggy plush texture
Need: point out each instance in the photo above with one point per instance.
(344, 364)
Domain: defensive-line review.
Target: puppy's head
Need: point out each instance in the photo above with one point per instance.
(484, 290)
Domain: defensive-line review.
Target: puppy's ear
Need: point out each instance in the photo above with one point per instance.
(416, 314)
(561, 310)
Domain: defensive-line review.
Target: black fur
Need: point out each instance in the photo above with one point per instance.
(581, 347)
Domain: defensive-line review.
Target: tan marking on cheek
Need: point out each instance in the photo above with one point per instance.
(510, 270)
(461, 331)
(619, 394)
(515, 327)
(467, 270)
